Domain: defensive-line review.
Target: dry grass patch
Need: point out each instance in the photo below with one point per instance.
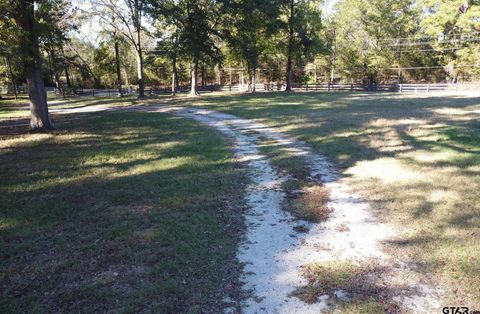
(350, 287)
(309, 203)
(305, 199)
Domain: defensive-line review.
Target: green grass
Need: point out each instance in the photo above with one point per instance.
(14, 109)
(416, 158)
(123, 212)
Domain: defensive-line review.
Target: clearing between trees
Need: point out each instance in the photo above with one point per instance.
(414, 158)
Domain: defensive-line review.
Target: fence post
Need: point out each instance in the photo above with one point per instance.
(351, 87)
(456, 87)
(401, 88)
(230, 88)
(428, 88)
(93, 92)
(328, 88)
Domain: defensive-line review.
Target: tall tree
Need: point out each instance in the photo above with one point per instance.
(111, 34)
(453, 28)
(197, 24)
(367, 35)
(130, 14)
(303, 24)
(9, 44)
(24, 15)
(55, 21)
(248, 28)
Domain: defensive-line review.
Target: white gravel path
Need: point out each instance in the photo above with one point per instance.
(273, 252)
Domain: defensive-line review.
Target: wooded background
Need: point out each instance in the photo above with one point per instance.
(191, 44)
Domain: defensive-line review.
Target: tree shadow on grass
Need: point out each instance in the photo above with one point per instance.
(120, 211)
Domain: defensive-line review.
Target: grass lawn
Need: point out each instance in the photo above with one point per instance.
(416, 158)
(14, 109)
(135, 211)
(122, 212)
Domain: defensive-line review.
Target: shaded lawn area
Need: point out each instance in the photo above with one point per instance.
(416, 158)
(14, 109)
(119, 212)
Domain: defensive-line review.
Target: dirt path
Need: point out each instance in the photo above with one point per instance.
(274, 254)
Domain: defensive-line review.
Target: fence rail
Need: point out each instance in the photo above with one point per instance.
(402, 88)
(271, 87)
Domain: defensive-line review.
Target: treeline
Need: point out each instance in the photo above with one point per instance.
(198, 42)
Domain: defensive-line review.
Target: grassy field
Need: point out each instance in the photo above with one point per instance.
(11, 108)
(121, 212)
(415, 158)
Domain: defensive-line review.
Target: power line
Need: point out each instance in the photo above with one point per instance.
(454, 41)
(429, 37)
(433, 49)
(437, 67)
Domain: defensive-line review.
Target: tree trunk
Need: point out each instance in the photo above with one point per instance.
(250, 79)
(67, 76)
(39, 116)
(56, 76)
(50, 70)
(141, 86)
(117, 68)
(334, 57)
(174, 75)
(193, 87)
(289, 74)
(65, 67)
(177, 80)
(290, 47)
(218, 75)
(242, 80)
(254, 89)
(12, 77)
(203, 75)
(125, 75)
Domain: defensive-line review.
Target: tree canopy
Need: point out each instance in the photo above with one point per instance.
(138, 43)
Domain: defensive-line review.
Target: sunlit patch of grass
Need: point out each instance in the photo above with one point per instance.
(414, 157)
(119, 212)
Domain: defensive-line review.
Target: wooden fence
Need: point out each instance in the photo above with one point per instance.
(402, 88)
(271, 87)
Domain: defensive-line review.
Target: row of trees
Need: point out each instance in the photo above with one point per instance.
(158, 41)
